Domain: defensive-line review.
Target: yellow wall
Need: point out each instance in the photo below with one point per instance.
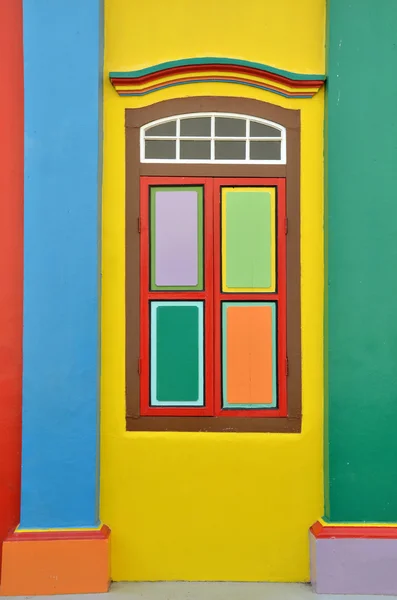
(211, 506)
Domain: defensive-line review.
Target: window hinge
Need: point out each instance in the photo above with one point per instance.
(286, 366)
(139, 366)
(139, 224)
(286, 225)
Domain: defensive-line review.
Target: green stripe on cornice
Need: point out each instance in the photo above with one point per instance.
(211, 61)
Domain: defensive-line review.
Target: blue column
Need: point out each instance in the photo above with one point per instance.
(63, 54)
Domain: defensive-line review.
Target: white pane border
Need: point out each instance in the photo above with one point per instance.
(247, 139)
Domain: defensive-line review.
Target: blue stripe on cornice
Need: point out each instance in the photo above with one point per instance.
(176, 83)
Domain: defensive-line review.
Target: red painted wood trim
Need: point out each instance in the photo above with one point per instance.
(281, 266)
(212, 241)
(279, 296)
(206, 295)
(321, 531)
(86, 534)
(11, 261)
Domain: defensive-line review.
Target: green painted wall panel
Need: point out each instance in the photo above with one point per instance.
(361, 242)
(248, 239)
(177, 353)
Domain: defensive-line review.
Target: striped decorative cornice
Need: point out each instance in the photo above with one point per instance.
(215, 70)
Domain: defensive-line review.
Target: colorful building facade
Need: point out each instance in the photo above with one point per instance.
(198, 366)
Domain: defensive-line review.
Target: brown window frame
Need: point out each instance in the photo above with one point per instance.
(134, 120)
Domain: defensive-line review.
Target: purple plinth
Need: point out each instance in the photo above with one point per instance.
(353, 566)
(176, 248)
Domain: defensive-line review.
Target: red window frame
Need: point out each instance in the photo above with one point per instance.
(212, 296)
(278, 296)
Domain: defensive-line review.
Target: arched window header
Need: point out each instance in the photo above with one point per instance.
(213, 138)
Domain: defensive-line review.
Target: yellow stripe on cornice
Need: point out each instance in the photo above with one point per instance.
(347, 524)
(55, 530)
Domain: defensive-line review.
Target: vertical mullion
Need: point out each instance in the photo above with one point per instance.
(208, 246)
(214, 293)
(217, 289)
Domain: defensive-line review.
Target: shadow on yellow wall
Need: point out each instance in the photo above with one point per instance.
(206, 506)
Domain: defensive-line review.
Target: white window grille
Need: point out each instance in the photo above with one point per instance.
(213, 138)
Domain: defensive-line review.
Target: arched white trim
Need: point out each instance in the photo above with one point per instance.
(278, 139)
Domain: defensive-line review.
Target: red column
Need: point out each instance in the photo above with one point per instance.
(11, 261)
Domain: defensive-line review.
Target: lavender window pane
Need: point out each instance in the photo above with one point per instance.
(176, 251)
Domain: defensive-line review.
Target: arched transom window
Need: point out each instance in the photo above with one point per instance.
(216, 137)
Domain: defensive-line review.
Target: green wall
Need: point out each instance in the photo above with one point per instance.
(361, 261)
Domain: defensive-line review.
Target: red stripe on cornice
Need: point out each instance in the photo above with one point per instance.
(321, 531)
(127, 83)
(66, 534)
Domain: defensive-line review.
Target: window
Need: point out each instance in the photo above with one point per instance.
(213, 297)
(212, 268)
(206, 138)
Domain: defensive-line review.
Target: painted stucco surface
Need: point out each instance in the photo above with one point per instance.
(200, 506)
(61, 336)
(11, 276)
(361, 222)
(354, 566)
